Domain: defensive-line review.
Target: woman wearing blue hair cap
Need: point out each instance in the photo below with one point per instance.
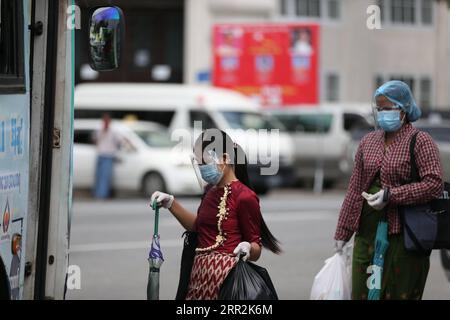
(401, 96)
(380, 183)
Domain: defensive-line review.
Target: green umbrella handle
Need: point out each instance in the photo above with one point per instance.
(156, 208)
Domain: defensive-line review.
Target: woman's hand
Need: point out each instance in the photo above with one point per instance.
(185, 217)
(243, 249)
(162, 199)
(378, 200)
(339, 246)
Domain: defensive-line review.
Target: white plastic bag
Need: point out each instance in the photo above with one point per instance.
(333, 282)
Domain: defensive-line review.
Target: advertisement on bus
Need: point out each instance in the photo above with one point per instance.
(14, 169)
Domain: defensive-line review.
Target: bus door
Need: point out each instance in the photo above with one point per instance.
(36, 134)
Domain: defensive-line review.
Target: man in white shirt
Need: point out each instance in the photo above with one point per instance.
(108, 143)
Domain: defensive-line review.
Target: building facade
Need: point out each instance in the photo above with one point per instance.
(413, 43)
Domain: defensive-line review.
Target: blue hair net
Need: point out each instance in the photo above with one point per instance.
(399, 93)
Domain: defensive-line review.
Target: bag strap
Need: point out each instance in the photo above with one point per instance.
(414, 173)
(414, 177)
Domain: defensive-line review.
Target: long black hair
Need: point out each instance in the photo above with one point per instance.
(240, 164)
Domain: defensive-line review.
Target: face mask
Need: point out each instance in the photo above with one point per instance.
(389, 121)
(210, 173)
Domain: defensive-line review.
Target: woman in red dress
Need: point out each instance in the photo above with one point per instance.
(228, 222)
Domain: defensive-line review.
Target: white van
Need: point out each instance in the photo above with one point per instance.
(179, 106)
(322, 137)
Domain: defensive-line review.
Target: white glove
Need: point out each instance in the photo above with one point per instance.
(243, 248)
(162, 199)
(338, 246)
(376, 200)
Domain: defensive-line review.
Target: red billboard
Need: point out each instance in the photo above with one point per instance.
(276, 64)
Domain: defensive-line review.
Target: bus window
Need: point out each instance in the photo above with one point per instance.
(12, 78)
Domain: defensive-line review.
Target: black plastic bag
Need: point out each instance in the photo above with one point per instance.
(247, 281)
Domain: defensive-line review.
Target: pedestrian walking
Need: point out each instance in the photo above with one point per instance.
(108, 143)
(228, 222)
(382, 172)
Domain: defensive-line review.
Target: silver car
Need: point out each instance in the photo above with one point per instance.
(321, 137)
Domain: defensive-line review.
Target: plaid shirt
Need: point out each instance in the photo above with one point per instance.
(394, 167)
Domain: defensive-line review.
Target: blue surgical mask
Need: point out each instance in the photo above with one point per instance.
(389, 121)
(210, 173)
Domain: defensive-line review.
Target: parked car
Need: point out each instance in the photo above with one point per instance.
(146, 161)
(180, 106)
(321, 137)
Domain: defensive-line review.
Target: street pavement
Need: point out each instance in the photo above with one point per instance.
(110, 242)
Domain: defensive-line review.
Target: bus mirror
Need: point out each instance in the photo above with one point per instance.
(106, 38)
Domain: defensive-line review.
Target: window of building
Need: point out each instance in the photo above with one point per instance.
(334, 9)
(308, 8)
(378, 82)
(425, 93)
(427, 11)
(410, 81)
(332, 87)
(421, 88)
(330, 9)
(283, 7)
(382, 6)
(407, 11)
(12, 78)
(403, 11)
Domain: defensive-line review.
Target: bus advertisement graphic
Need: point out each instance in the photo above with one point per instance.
(14, 175)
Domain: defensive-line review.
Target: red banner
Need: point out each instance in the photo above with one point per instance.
(276, 64)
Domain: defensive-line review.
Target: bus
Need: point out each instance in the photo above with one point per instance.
(36, 134)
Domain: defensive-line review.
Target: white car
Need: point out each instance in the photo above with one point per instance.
(147, 160)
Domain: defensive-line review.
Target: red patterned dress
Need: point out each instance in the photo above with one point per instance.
(227, 216)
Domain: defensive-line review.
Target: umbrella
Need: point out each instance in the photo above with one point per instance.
(381, 246)
(155, 260)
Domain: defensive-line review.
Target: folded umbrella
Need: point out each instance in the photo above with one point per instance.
(155, 259)
(381, 246)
